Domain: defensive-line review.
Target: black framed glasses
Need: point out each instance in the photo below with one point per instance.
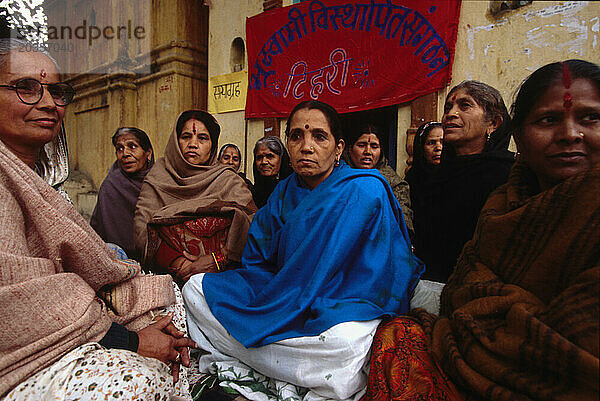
(30, 91)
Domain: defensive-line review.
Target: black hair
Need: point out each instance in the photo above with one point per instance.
(141, 136)
(332, 116)
(536, 85)
(490, 100)
(419, 143)
(211, 124)
(362, 129)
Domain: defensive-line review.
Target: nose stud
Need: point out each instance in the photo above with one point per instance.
(581, 134)
(312, 149)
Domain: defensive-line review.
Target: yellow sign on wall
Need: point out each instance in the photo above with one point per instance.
(227, 92)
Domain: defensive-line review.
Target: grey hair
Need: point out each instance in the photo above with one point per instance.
(271, 142)
(8, 45)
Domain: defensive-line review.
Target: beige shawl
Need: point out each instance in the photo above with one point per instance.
(53, 268)
(175, 191)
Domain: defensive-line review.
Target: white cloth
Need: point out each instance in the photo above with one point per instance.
(91, 372)
(332, 365)
(427, 296)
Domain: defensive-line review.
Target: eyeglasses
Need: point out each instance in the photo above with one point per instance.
(30, 91)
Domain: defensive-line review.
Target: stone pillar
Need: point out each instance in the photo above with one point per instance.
(144, 83)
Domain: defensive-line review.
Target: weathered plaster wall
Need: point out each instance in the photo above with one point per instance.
(504, 51)
(150, 97)
(227, 21)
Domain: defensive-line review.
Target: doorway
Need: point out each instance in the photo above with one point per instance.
(386, 119)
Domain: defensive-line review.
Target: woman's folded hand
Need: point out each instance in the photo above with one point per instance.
(164, 342)
(187, 265)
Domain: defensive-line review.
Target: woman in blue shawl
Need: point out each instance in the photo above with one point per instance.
(326, 259)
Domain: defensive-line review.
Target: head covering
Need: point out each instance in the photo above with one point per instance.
(214, 130)
(264, 186)
(176, 190)
(420, 169)
(113, 215)
(421, 174)
(229, 145)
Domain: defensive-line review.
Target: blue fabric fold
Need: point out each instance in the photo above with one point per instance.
(314, 259)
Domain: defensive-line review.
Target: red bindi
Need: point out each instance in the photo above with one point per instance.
(194, 127)
(43, 74)
(306, 126)
(567, 101)
(566, 76)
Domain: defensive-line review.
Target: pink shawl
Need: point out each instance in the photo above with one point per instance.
(53, 268)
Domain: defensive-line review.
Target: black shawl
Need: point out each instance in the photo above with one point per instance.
(447, 201)
(112, 218)
(264, 186)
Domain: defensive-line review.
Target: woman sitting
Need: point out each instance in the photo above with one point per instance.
(364, 151)
(231, 155)
(193, 213)
(475, 161)
(75, 322)
(520, 314)
(326, 259)
(271, 165)
(113, 215)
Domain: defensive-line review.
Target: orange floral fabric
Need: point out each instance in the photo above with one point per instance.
(403, 368)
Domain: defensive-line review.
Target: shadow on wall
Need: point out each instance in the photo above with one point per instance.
(81, 191)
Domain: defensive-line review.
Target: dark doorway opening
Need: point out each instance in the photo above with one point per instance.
(385, 118)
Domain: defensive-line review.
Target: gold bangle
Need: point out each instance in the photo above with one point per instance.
(216, 263)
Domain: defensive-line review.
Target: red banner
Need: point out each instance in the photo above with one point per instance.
(352, 55)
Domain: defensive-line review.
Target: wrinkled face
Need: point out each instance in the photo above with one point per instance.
(130, 155)
(432, 148)
(267, 162)
(194, 142)
(24, 128)
(312, 146)
(465, 124)
(560, 138)
(366, 151)
(231, 157)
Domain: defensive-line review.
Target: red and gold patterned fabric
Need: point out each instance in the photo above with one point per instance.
(201, 236)
(179, 199)
(403, 368)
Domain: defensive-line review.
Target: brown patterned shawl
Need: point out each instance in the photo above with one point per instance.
(175, 191)
(54, 267)
(520, 315)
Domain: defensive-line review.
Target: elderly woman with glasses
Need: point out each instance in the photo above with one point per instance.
(72, 321)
